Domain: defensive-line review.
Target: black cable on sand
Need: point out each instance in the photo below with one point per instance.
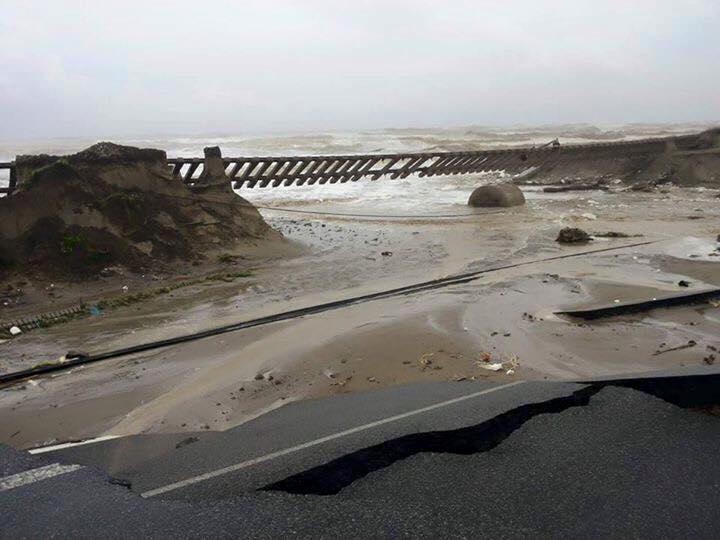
(456, 279)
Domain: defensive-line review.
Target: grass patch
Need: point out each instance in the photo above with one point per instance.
(126, 199)
(226, 258)
(75, 244)
(70, 242)
(134, 298)
(57, 168)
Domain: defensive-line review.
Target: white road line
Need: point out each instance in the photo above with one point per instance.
(286, 451)
(35, 475)
(44, 449)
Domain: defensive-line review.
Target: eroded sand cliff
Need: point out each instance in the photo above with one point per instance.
(109, 204)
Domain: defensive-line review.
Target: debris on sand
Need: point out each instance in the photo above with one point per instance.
(573, 235)
(616, 234)
(15, 331)
(683, 283)
(110, 271)
(490, 367)
(345, 381)
(688, 345)
(514, 361)
(112, 206)
(645, 187)
(485, 362)
(426, 360)
(576, 187)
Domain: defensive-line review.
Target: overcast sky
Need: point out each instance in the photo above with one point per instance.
(71, 68)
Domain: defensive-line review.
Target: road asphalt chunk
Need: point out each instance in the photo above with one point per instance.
(267, 457)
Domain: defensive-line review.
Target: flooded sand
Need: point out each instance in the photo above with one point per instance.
(452, 333)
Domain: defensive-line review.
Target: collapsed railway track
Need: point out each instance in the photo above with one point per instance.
(263, 172)
(269, 171)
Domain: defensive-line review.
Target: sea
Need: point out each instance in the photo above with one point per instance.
(412, 196)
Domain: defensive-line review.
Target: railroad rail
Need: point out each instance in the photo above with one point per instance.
(262, 172)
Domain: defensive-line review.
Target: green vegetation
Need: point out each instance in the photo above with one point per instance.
(134, 298)
(126, 199)
(58, 167)
(129, 203)
(70, 242)
(74, 243)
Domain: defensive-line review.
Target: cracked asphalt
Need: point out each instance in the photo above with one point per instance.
(625, 464)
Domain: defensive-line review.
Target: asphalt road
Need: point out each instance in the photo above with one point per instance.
(440, 459)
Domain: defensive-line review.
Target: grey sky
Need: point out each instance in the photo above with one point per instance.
(71, 68)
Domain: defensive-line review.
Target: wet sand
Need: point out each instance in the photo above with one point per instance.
(447, 334)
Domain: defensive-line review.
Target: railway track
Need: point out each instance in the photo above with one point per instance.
(277, 171)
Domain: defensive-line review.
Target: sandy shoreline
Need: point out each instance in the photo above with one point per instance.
(437, 335)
